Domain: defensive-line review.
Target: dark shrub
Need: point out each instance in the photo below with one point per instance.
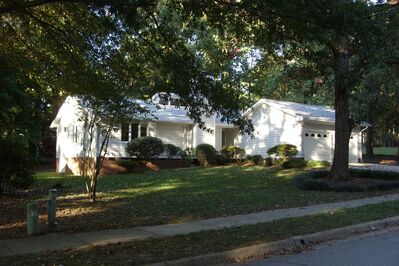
(291, 163)
(172, 150)
(206, 154)
(145, 148)
(232, 152)
(16, 164)
(283, 151)
(378, 180)
(268, 161)
(256, 159)
(221, 159)
(129, 164)
(187, 154)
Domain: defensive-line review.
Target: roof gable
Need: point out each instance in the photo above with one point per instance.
(304, 111)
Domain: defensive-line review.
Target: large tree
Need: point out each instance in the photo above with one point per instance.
(344, 34)
(141, 47)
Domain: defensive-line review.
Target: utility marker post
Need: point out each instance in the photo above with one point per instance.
(32, 218)
(52, 209)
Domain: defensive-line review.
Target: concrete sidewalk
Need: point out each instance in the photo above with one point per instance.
(60, 241)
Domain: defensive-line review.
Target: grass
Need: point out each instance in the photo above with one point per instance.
(385, 150)
(168, 248)
(388, 151)
(164, 197)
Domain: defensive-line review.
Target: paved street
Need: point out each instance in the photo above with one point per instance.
(375, 250)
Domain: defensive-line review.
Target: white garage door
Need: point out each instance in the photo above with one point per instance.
(318, 145)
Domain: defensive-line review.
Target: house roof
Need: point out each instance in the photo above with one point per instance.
(305, 111)
(162, 113)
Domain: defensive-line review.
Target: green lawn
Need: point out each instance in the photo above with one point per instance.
(385, 150)
(169, 248)
(165, 197)
(390, 151)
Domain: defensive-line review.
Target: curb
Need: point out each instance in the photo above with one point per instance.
(296, 242)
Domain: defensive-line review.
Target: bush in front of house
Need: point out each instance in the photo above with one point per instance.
(268, 161)
(145, 148)
(291, 163)
(172, 150)
(17, 164)
(232, 152)
(221, 159)
(206, 154)
(284, 151)
(187, 154)
(128, 164)
(255, 159)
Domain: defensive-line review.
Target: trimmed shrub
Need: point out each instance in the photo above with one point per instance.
(17, 164)
(291, 163)
(128, 164)
(172, 150)
(378, 180)
(145, 148)
(232, 152)
(206, 154)
(256, 159)
(187, 154)
(221, 159)
(268, 161)
(283, 150)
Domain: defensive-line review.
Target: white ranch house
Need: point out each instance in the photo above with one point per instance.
(309, 127)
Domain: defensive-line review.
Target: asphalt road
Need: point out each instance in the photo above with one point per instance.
(381, 249)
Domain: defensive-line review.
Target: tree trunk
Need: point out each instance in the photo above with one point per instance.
(340, 165)
(369, 135)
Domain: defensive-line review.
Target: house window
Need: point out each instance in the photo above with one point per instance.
(143, 131)
(125, 132)
(135, 131)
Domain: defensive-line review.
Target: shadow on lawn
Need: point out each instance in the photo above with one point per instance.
(164, 197)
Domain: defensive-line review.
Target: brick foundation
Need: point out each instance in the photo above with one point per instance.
(110, 165)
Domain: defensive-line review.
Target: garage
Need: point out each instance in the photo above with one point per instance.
(318, 145)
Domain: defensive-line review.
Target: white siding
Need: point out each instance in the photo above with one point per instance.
(272, 127)
(218, 138)
(171, 133)
(204, 136)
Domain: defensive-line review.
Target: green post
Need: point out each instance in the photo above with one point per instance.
(52, 209)
(32, 218)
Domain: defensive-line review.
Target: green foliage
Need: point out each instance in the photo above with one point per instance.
(256, 159)
(376, 180)
(291, 163)
(206, 154)
(145, 148)
(268, 161)
(317, 164)
(187, 154)
(283, 150)
(128, 164)
(233, 152)
(221, 159)
(172, 150)
(16, 167)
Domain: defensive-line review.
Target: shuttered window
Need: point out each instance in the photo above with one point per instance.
(143, 131)
(125, 132)
(135, 130)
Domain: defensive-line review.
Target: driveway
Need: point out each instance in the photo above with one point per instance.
(371, 166)
(376, 249)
